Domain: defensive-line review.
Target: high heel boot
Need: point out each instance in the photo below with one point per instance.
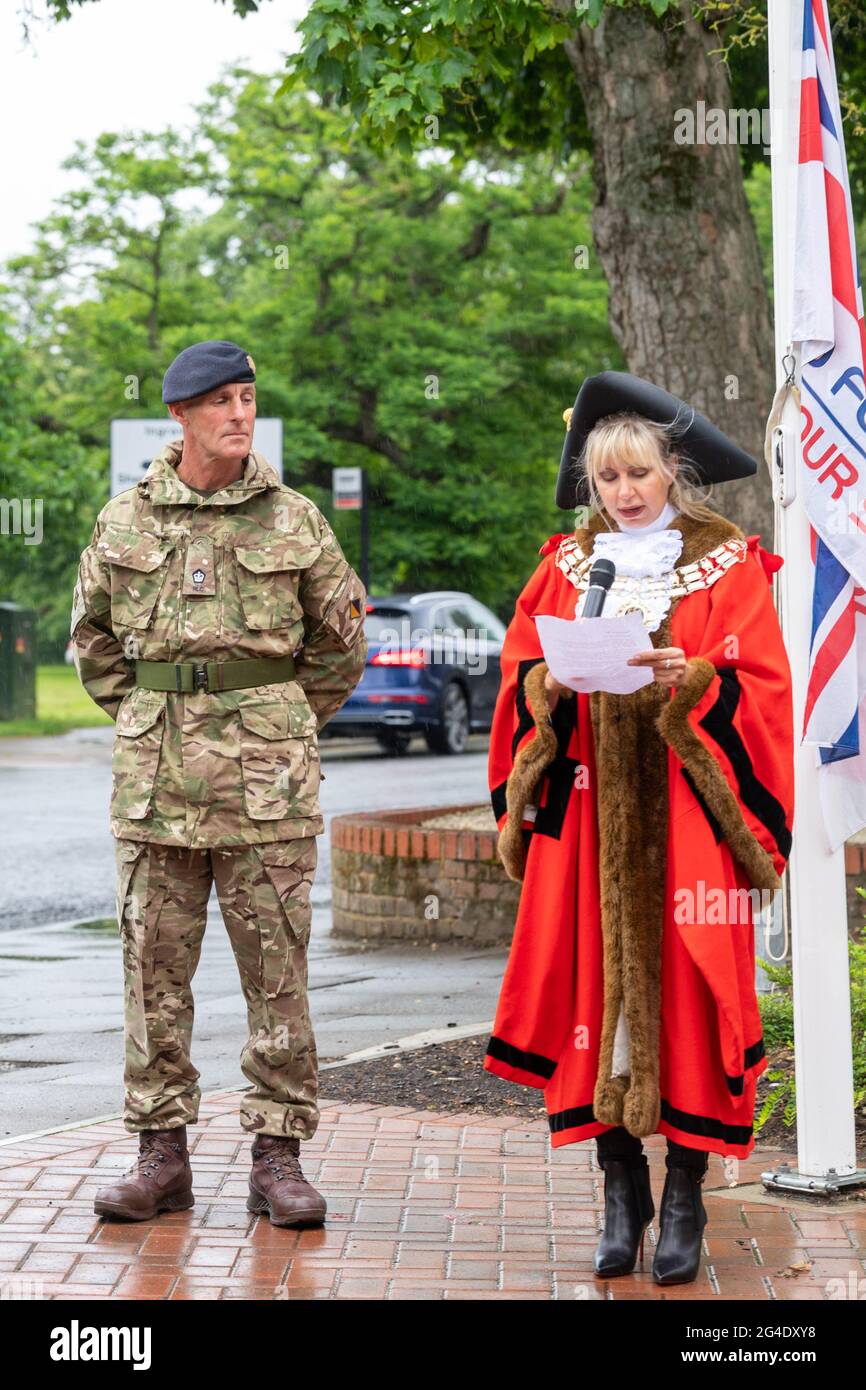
(682, 1217)
(628, 1203)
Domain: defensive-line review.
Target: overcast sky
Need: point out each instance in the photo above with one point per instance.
(118, 64)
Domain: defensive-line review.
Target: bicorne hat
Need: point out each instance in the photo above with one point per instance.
(715, 457)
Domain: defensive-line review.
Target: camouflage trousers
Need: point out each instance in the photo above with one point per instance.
(264, 896)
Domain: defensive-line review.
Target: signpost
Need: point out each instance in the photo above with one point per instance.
(350, 494)
(135, 442)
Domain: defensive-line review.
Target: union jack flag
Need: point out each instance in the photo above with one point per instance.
(828, 323)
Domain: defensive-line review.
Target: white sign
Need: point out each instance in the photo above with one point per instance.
(135, 443)
(347, 488)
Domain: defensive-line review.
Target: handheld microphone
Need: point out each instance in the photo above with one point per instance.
(601, 576)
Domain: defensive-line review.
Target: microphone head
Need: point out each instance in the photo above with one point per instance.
(602, 574)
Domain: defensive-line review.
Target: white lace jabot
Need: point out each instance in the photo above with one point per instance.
(640, 552)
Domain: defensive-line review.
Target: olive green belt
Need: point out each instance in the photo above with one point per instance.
(190, 676)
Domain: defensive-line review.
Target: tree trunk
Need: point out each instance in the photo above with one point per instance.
(674, 233)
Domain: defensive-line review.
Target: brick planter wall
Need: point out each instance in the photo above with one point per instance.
(393, 880)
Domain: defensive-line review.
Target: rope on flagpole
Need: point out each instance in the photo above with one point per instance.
(776, 461)
(775, 457)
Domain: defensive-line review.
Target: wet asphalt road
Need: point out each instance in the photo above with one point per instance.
(61, 1022)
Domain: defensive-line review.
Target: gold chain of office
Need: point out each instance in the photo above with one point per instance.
(630, 593)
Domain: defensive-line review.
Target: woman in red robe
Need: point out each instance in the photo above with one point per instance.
(646, 828)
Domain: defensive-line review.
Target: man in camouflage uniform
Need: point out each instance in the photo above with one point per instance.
(218, 622)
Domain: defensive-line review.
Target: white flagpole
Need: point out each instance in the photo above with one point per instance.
(819, 930)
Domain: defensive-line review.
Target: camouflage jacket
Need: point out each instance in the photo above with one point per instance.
(253, 570)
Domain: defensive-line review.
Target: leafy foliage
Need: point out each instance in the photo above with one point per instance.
(492, 73)
(423, 318)
(777, 1016)
(46, 469)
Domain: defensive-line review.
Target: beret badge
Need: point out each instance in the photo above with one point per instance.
(205, 366)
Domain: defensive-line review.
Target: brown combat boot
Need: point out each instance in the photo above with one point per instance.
(278, 1186)
(159, 1180)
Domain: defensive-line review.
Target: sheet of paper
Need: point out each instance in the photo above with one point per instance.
(589, 654)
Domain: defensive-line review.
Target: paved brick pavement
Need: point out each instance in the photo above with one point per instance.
(421, 1206)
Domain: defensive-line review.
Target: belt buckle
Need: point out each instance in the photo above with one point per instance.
(199, 676)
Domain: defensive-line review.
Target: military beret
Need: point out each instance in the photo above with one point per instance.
(204, 367)
(715, 457)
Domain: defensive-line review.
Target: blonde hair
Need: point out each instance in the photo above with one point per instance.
(632, 438)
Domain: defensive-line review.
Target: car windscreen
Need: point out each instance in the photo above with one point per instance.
(382, 624)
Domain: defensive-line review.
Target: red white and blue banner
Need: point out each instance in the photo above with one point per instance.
(828, 323)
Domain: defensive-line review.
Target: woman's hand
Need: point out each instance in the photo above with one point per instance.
(553, 688)
(673, 674)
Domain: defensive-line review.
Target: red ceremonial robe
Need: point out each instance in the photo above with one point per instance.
(713, 809)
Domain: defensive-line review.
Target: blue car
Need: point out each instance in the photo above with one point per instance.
(432, 669)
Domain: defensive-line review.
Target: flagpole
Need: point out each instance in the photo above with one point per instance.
(826, 1155)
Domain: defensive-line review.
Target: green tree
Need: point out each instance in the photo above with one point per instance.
(45, 469)
(424, 317)
(671, 224)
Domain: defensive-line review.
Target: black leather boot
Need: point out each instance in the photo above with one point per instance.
(628, 1203)
(682, 1217)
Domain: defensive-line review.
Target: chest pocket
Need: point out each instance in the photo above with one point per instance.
(139, 565)
(269, 578)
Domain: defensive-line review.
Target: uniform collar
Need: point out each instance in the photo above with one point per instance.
(163, 487)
